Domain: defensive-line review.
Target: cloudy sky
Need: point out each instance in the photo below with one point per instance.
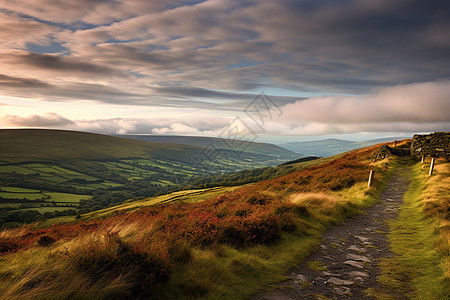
(276, 69)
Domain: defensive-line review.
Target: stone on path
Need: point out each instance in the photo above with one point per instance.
(352, 256)
(355, 248)
(355, 264)
(362, 238)
(326, 273)
(337, 281)
(341, 291)
(358, 274)
(301, 278)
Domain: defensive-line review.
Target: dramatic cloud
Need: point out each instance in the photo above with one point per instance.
(415, 103)
(217, 55)
(17, 32)
(405, 108)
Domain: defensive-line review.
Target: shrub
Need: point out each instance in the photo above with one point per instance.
(45, 240)
(110, 256)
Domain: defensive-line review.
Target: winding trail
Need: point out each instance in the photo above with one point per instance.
(346, 263)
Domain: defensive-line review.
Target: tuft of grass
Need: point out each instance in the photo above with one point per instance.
(317, 265)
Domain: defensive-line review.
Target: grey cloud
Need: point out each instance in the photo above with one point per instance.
(152, 96)
(60, 64)
(15, 83)
(16, 31)
(218, 48)
(413, 103)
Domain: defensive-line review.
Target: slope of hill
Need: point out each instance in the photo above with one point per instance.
(329, 147)
(44, 173)
(219, 143)
(224, 247)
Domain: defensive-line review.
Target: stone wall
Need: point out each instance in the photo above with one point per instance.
(432, 145)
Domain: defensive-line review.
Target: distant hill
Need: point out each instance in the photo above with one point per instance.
(219, 143)
(329, 147)
(21, 145)
(62, 171)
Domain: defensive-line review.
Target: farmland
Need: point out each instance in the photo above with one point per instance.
(202, 243)
(66, 172)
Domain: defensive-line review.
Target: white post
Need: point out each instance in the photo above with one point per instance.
(423, 158)
(431, 167)
(370, 178)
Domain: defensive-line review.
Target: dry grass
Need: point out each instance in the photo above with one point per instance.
(193, 250)
(436, 205)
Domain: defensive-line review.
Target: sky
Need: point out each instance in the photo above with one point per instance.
(267, 70)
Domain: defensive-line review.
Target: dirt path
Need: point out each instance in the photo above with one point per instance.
(346, 262)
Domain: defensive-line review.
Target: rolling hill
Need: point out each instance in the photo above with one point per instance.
(219, 143)
(329, 147)
(45, 170)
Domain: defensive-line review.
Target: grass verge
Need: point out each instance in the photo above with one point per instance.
(420, 238)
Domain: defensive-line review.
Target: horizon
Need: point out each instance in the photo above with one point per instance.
(267, 71)
(269, 140)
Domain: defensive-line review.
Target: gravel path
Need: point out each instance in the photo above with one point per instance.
(346, 262)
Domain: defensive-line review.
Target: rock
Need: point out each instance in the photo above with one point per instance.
(337, 281)
(323, 247)
(355, 264)
(358, 274)
(301, 278)
(355, 248)
(326, 273)
(362, 238)
(352, 256)
(359, 280)
(342, 291)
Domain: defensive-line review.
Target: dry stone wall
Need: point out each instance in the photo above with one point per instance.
(432, 145)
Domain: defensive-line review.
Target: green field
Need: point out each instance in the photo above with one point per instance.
(70, 166)
(33, 196)
(65, 198)
(18, 190)
(20, 193)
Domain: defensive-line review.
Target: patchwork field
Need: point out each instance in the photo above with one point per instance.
(94, 171)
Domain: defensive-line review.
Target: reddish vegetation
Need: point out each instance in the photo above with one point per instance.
(249, 215)
(332, 176)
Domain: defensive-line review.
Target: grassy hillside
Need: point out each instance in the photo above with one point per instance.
(329, 147)
(21, 145)
(54, 167)
(228, 144)
(224, 247)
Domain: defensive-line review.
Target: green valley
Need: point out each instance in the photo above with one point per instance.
(50, 173)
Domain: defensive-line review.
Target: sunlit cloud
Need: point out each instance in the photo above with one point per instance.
(216, 56)
(47, 120)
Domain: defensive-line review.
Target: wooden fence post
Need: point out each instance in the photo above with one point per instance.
(431, 167)
(370, 178)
